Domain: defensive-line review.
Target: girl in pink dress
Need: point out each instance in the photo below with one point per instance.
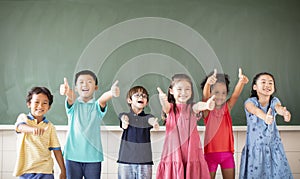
(182, 156)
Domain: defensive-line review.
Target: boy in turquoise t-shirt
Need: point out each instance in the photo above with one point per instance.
(83, 150)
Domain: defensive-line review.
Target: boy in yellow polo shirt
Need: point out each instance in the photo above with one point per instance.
(36, 138)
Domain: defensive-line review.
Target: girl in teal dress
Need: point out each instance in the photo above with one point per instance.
(263, 155)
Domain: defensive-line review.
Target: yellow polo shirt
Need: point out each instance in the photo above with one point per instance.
(34, 152)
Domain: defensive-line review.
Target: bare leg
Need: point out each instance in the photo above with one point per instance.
(212, 175)
(228, 173)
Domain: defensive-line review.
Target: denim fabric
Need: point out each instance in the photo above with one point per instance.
(36, 176)
(77, 170)
(134, 171)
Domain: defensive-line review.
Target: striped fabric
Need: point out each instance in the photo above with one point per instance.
(34, 152)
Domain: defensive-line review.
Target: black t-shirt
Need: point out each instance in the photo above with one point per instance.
(135, 145)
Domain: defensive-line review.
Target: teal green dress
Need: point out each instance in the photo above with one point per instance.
(263, 156)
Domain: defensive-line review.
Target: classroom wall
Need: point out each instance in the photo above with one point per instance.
(111, 140)
(142, 42)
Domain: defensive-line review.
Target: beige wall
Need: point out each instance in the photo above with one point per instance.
(111, 139)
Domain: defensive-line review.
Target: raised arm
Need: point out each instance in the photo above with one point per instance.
(164, 101)
(67, 91)
(113, 92)
(210, 81)
(238, 89)
(281, 110)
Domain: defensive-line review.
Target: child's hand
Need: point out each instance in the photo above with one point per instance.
(64, 88)
(39, 131)
(213, 78)
(153, 122)
(286, 114)
(162, 96)
(125, 121)
(62, 176)
(210, 104)
(115, 90)
(269, 118)
(242, 78)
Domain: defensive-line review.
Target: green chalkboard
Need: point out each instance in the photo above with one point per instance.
(142, 42)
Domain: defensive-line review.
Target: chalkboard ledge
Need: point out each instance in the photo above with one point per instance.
(162, 128)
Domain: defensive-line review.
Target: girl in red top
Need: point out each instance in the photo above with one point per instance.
(218, 141)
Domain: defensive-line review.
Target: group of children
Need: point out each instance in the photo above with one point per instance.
(182, 157)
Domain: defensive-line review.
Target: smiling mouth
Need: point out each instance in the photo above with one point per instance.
(140, 102)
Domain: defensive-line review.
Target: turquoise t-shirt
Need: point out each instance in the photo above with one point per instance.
(84, 138)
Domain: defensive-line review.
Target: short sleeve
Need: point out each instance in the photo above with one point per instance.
(22, 119)
(54, 141)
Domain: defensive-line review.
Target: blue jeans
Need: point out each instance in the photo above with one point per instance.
(77, 170)
(36, 176)
(134, 171)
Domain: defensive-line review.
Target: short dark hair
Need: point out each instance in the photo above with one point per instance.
(86, 72)
(136, 89)
(38, 90)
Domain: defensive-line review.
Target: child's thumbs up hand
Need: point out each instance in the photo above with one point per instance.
(242, 78)
(64, 88)
(154, 122)
(286, 114)
(125, 121)
(213, 78)
(211, 103)
(115, 90)
(269, 117)
(162, 96)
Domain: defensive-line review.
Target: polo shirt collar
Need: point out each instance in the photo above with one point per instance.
(140, 114)
(30, 116)
(90, 101)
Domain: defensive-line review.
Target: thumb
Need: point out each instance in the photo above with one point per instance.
(212, 97)
(240, 72)
(215, 72)
(284, 109)
(269, 111)
(116, 83)
(66, 82)
(159, 90)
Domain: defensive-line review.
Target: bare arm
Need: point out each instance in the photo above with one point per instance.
(24, 128)
(68, 92)
(164, 101)
(267, 117)
(283, 112)
(210, 81)
(201, 106)
(60, 161)
(237, 90)
(113, 92)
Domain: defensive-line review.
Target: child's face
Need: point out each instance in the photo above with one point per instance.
(138, 101)
(182, 91)
(264, 85)
(220, 91)
(39, 105)
(85, 86)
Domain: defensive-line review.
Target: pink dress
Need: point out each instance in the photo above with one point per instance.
(182, 156)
